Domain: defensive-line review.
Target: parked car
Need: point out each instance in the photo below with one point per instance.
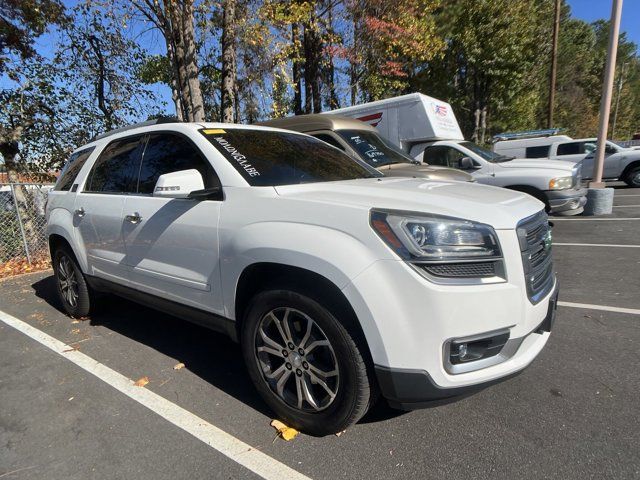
(363, 142)
(338, 282)
(427, 130)
(620, 163)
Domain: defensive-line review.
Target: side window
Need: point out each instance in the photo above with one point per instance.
(72, 168)
(541, 151)
(443, 156)
(325, 137)
(436, 156)
(571, 148)
(166, 153)
(116, 167)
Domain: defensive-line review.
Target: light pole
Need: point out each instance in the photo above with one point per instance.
(618, 93)
(607, 89)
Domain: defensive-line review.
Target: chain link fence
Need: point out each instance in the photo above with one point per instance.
(22, 222)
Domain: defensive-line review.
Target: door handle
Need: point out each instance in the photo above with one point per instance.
(135, 218)
(80, 212)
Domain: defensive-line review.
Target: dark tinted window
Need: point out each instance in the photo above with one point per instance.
(267, 158)
(72, 168)
(325, 137)
(572, 148)
(166, 153)
(541, 151)
(442, 156)
(116, 168)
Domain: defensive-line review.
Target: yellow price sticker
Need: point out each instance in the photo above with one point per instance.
(213, 131)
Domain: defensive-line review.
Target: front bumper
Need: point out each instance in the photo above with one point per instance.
(408, 389)
(409, 321)
(567, 202)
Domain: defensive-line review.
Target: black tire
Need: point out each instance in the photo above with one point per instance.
(66, 266)
(354, 387)
(632, 178)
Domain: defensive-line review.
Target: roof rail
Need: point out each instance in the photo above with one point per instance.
(527, 134)
(154, 121)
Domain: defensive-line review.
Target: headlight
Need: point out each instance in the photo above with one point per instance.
(560, 183)
(441, 246)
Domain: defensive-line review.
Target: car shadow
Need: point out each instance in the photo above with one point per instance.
(212, 356)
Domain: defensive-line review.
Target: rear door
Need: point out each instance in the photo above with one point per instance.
(172, 244)
(98, 207)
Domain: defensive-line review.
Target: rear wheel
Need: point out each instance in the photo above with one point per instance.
(73, 290)
(305, 363)
(632, 178)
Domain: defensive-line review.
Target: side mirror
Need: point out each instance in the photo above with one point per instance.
(465, 163)
(178, 184)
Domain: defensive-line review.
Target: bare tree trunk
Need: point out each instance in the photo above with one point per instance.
(100, 82)
(308, 77)
(296, 67)
(483, 124)
(476, 123)
(228, 99)
(191, 62)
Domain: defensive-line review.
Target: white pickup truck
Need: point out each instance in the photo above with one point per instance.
(426, 129)
(620, 163)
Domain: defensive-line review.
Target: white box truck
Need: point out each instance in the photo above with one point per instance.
(426, 128)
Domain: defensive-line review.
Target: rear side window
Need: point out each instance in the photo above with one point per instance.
(541, 151)
(325, 137)
(166, 153)
(117, 166)
(572, 148)
(269, 158)
(72, 168)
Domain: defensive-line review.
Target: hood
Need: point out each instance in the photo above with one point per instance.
(498, 207)
(538, 163)
(425, 171)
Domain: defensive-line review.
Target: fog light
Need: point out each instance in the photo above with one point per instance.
(463, 351)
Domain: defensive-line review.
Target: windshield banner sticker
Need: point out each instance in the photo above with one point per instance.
(233, 153)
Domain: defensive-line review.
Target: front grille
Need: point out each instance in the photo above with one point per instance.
(462, 270)
(534, 235)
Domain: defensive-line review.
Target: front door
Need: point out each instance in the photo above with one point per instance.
(98, 208)
(172, 244)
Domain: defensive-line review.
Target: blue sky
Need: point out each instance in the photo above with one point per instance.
(591, 10)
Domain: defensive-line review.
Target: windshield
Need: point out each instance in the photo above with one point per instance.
(270, 158)
(373, 149)
(488, 155)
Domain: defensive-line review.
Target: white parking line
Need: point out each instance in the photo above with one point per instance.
(594, 245)
(236, 450)
(626, 206)
(587, 219)
(605, 308)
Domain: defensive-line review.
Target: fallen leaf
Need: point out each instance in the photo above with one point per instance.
(178, 366)
(287, 433)
(75, 330)
(75, 321)
(340, 433)
(142, 382)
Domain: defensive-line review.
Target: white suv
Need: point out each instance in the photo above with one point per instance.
(338, 283)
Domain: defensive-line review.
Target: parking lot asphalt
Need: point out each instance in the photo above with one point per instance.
(574, 413)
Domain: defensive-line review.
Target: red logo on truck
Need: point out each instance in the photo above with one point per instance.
(373, 119)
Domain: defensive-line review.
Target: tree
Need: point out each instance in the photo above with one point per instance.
(229, 71)
(174, 19)
(491, 63)
(102, 65)
(21, 22)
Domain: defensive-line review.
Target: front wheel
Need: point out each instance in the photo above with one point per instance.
(632, 178)
(304, 363)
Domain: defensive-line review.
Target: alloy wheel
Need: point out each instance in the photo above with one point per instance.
(67, 281)
(297, 360)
